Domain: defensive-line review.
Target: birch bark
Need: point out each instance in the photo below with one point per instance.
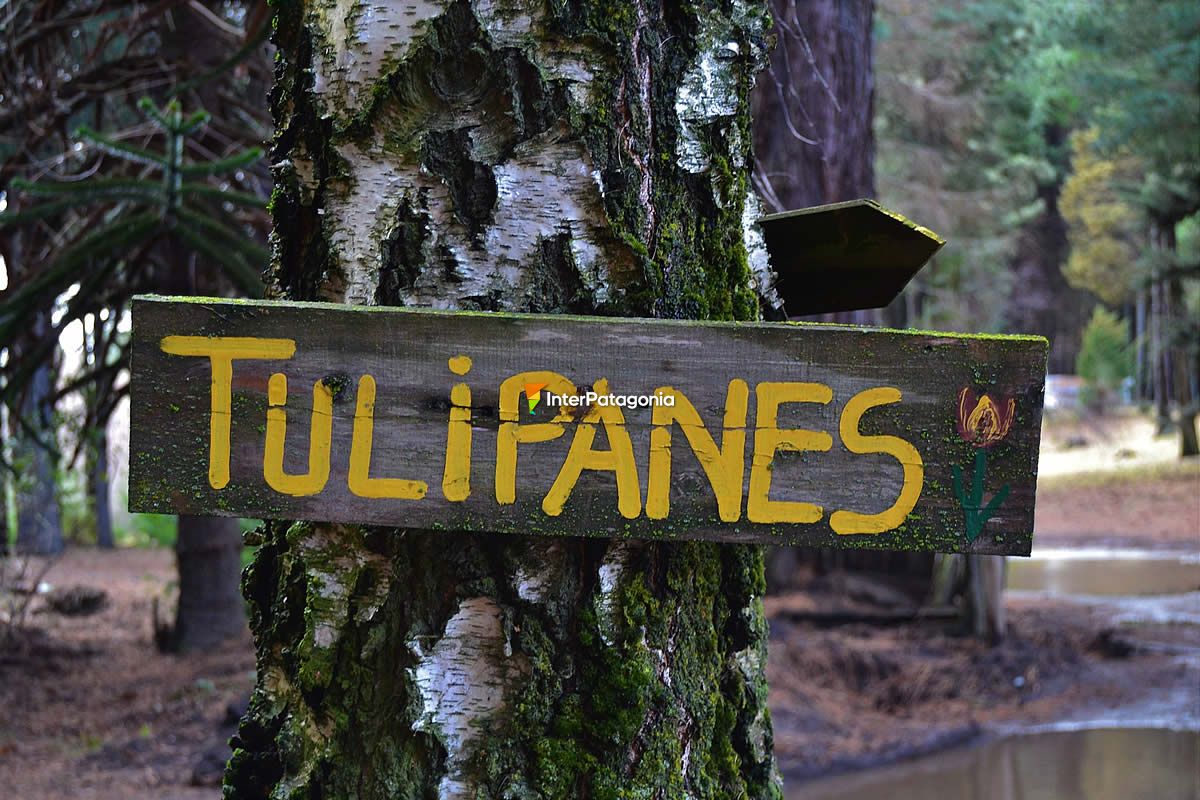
(587, 157)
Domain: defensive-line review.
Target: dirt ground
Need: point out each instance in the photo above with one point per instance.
(860, 695)
(92, 710)
(1118, 510)
(1122, 442)
(1111, 481)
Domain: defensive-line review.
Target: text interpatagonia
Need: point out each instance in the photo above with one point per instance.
(592, 398)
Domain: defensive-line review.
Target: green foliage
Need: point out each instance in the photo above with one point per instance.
(148, 530)
(956, 150)
(74, 508)
(1103, 228)
(977, 101)
(1187, 234)
(124, 231)
(1105, 357)
(1138, 77)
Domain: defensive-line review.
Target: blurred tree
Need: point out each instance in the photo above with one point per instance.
(34, 455)
(99, 330)
(158, 219)
(977, 103)
(1104, 359)
(5, 528)
(971, 130)
(5, 532)
(928, 113)
(1105, 231)
(34, 466)
(1139, 74)
(930, 121)
(813, 107)
(93, 220)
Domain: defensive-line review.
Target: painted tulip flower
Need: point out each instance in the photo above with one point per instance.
(983, 420)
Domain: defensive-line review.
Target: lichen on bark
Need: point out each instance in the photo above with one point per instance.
(586, 157)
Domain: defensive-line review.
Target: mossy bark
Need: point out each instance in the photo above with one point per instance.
(587, 157)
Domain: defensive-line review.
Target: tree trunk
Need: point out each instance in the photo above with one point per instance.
(813, 111)
(98, 484)
(5, 533)
(984, 607)
(1183, 362)
(949, 578)
(1183, 366)
(211, 608)
(1174, 362)
(1189, 445)
(814, 141)
(1159, 354)
(588, 157)
(95, 340)
(1141, 379)
(28, 431)
(1042, 302)
(39, 529)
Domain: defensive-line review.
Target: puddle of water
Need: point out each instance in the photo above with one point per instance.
(1095, 764)
(1171, 609)
(1105, 572)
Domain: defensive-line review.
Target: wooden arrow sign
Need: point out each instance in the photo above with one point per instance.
(787, 433)
(844, 256)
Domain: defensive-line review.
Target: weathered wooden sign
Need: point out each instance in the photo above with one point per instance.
(779, 433)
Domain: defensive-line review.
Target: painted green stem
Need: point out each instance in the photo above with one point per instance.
(975, 513)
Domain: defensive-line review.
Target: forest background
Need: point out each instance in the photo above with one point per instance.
(1055, 145)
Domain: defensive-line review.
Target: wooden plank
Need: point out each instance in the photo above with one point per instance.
(892, 396)
(844, 256)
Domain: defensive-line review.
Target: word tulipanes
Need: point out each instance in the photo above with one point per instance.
(723, 463)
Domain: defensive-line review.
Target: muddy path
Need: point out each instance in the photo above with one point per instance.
(858, 696)
(1104, 632)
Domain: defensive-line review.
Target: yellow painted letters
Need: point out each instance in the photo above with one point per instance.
(724, 466)
(319, 441)
(360, 481)
(617, 459)
(221, 352)
(914, 469)
(456, 477)
(512, 432)
(768, 439)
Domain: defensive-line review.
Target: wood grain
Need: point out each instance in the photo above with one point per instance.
(407, 352)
